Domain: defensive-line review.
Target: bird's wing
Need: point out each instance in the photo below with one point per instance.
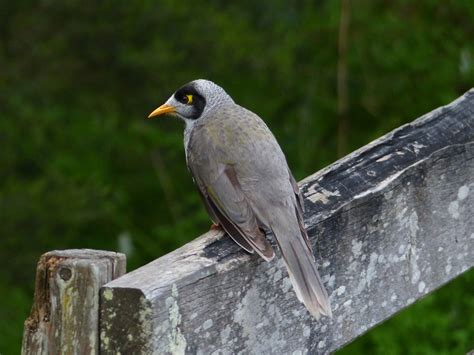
(214, 214)
(227, 203)
(299, 206)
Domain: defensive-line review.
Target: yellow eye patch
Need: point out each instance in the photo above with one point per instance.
(190, 99)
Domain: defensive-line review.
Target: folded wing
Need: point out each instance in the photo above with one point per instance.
(228, 206)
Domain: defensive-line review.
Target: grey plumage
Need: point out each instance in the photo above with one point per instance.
(246, 185)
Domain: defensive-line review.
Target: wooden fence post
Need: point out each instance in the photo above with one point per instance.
(64, 318)
(390, 223)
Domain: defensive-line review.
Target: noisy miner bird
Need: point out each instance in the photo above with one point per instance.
(245, 183)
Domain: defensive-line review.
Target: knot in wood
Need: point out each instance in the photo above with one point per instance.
(65, 273)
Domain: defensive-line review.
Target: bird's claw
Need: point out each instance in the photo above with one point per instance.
(215, 227)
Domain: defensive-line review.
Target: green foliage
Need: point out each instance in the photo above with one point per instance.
(80, 165)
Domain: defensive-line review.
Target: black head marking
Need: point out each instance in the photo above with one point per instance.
(198, 101)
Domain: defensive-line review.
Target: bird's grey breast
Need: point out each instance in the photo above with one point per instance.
(187, 136)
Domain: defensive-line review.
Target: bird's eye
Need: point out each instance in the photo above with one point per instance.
(185, 97)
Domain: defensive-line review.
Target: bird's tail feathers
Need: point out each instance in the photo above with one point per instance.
(303, 273)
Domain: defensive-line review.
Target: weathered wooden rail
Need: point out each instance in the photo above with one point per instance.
(390, 223)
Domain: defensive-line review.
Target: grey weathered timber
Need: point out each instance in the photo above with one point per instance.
(389, 223)
(64, 318)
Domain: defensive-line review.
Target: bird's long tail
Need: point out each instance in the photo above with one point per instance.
(301, 268)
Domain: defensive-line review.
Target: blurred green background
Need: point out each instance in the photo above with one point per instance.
(81, 167)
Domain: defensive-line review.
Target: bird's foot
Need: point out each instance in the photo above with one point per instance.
(215, 227)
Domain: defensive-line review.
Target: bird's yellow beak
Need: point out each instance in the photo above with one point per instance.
(163, 109)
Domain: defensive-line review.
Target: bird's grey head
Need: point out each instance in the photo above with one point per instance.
(194, 101)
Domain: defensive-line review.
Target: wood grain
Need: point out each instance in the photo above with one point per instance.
(65, 315)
